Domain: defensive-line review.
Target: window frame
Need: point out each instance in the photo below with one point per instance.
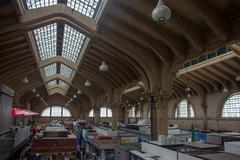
(89, 113)
(225, 99)
(107, 110)
(176, 108)
(56, 106)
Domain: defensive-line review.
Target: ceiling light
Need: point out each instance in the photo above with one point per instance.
(141, 98)
(188, 89)
(25, 80)
(225, 90)
(37, 95)
(74, 96)
(41, 99)
(71, 100)
(238, 78)
(161, 12)
(188, 95)
(79, 92)
(34, 90)
(87, 83)
(103, 67)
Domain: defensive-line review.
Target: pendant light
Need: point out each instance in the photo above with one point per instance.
(74, 96)
(103, 67)
(37, 95)
(25, 80)
(161, 12)
(79, 92)
(87, 83)
(34, 90)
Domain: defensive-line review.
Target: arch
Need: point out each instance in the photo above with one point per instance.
(231, 106)
(182, 111)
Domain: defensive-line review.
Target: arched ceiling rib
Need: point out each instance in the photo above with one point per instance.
(125, 35)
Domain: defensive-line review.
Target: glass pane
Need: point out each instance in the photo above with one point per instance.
(66, 71)
(87, 7)
(46, 41)
(52, 83)
(66, 113)
(231, 107)
(33, 4)
(56, 111)
(131, 112)
(103, 112)
(109, 113)
(63, 84)
(50, 70)
(72, 43)
(182, 110)
(91, 113)
(46, 112)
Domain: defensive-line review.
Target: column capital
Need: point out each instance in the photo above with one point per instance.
(158, 94)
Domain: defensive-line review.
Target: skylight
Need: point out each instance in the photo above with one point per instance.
(46, 39)
(87, 7)
(72, 43)
(33, 4)
(63, 84)
(50, 70)
(52, 83)
(66, 71)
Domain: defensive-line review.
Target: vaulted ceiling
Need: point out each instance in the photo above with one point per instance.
(118, 32)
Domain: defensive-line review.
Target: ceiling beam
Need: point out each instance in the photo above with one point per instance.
(213, 18)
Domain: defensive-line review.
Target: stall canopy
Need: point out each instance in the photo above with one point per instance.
(22, 112)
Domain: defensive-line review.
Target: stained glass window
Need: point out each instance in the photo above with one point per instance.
(231, 106)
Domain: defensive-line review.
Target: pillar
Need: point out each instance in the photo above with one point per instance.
(97, 116)
(115, 110)
(126, 113)
(86, 118)
(162, 115)
(205, 118)
(153, 118)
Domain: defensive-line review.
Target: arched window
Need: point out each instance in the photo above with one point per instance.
(184, 110)
(131, 112)
(91, 113)
(231, 106)
(105, 112)
(56, 111)
(138, 114)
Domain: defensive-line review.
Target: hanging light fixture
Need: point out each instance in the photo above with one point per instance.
(37, 95)
(161, 12)
(225, 90)
(103, 67)
(74, 96)
(34, 90)
(71, 100)
(79, 92)
(87, 83)
(25, 80)
(41, 99)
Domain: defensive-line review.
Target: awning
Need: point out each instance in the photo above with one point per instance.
(22, 112)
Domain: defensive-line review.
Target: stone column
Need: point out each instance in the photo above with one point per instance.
(126, 113)
(86, 118)
(162, 115)
(205, 118)
(97, 116)
(153, 118)
(115, 110)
